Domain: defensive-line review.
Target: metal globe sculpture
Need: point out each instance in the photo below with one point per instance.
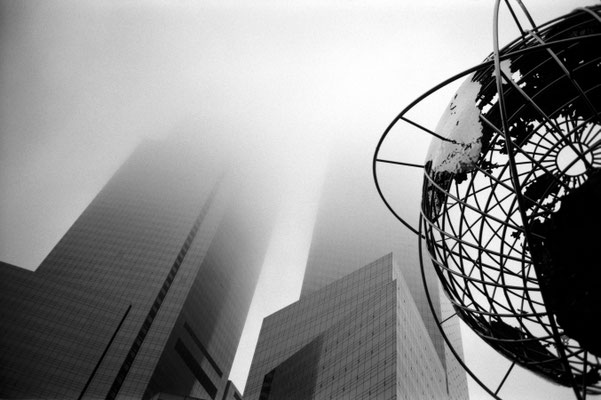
(511, 199)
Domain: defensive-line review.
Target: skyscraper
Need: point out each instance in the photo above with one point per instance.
(360, 337)
(352, 228)
(147, 292)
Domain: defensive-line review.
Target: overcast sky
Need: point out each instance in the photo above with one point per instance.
(82, 82)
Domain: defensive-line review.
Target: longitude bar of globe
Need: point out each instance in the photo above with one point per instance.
(462, 254)
(502, 260)
(514, 172)
(470, 191)
(527, 289)
(449, 283)
(584, 367)
(592, 132)
(527, 13)
(436, 320)
(512, 248)
(480, 249)
(591, 12)
(515, 19)
(448, 318)
(510, 146)
(524, 278)
(459, 262)
(447, 214)
(540, 321)
(484, 212)
(534, 306)
(429, 234)
(498, 201)
(541, 150)
(443, 250)
(505, 377)
(586, 136)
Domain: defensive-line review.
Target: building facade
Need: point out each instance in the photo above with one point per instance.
(147, 292)
(353, 228)
(360, 337)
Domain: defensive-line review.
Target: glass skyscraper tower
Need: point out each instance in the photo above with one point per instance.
(360, 337)
(147, 292)
(352, 229)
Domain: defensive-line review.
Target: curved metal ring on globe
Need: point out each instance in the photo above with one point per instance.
(511, 198)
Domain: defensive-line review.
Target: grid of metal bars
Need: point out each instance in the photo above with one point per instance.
(541, 140)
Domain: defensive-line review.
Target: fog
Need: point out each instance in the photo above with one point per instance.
(283, 86)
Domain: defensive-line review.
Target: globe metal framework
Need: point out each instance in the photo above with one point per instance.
(511, 198)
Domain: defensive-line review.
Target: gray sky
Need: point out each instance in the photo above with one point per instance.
(82, 82)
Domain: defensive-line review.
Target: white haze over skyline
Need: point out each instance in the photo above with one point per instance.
(83, 82)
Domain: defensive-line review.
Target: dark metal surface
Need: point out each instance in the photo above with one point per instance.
(511, 229)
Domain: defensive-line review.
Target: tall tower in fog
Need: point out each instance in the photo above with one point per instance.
(147, 292)
(359, 337)
(353, 228)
